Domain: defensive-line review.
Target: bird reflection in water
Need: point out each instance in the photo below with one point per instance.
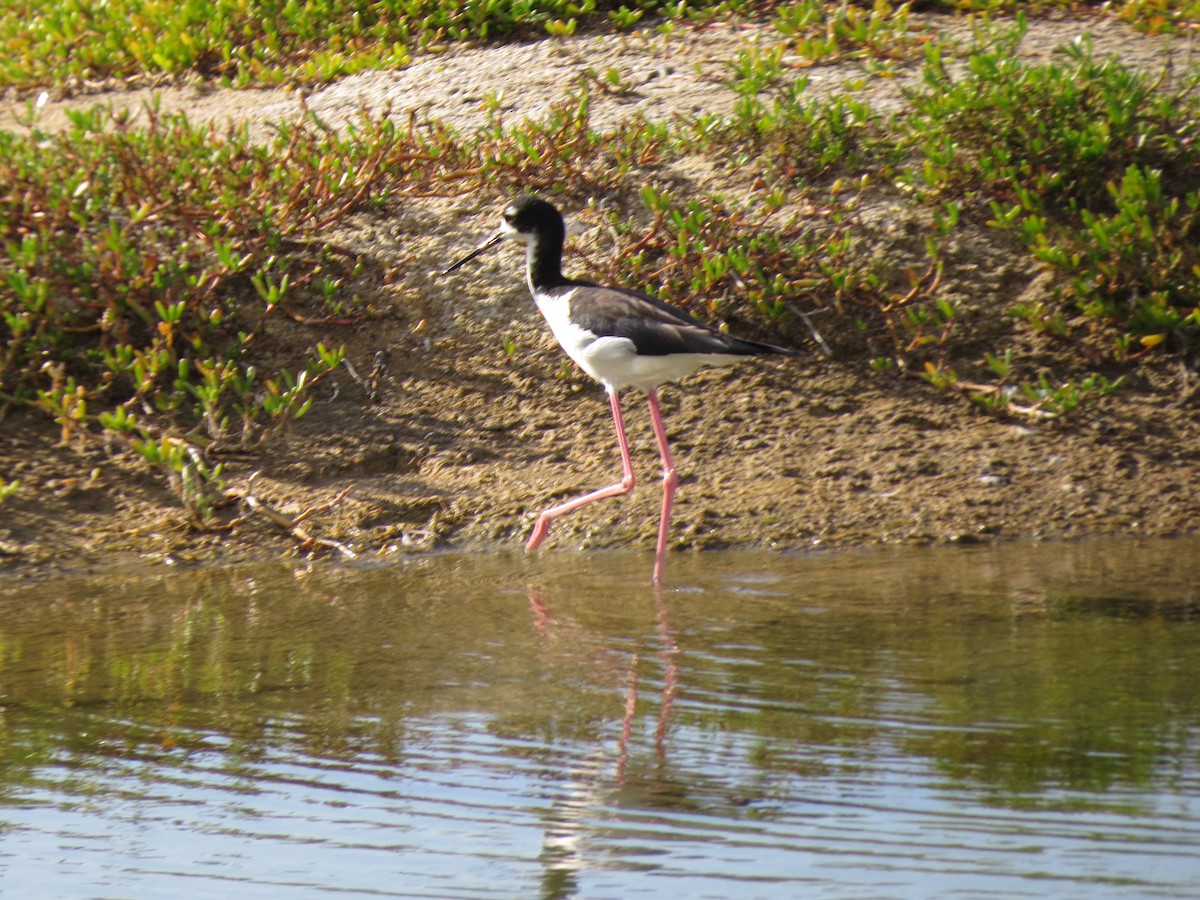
(601, 782)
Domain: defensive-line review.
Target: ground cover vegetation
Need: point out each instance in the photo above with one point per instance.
(255, 41)
(143, 262)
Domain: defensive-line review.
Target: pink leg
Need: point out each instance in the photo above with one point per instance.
(624, 486)
(670, 480)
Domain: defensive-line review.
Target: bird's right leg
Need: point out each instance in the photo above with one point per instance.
(670, 481)
(624, 486)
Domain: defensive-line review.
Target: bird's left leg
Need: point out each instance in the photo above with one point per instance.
(624, 486)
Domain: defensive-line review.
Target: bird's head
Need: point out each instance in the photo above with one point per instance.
(527, 219)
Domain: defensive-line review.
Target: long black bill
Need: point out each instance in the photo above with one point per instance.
(482, 248)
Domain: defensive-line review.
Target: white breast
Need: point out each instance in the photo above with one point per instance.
(614, 361)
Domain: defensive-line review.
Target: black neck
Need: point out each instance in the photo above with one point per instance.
(545, 259)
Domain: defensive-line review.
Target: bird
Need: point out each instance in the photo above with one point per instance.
(622, 338)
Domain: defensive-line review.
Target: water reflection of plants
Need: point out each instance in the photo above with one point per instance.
(338, 664)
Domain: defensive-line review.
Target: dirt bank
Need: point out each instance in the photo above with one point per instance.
(443, 438)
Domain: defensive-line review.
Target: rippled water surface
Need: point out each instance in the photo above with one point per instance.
(1021, 721)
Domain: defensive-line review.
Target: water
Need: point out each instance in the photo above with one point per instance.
(982, 722)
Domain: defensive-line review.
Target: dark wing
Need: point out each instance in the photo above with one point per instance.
(656, 328)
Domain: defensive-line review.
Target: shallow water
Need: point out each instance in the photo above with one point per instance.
(1020, 721)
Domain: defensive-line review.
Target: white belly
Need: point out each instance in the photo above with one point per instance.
(614, 361)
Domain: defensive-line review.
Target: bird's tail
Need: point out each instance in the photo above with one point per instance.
(743, 347)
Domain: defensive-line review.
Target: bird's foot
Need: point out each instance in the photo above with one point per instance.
(538, 534)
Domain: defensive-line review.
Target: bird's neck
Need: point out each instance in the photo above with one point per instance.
(544, 263)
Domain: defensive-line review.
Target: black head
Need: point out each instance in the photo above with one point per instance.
(527, 219)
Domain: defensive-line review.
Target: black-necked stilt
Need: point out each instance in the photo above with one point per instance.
(622, 338)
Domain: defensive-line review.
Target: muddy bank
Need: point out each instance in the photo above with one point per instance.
(445, 439)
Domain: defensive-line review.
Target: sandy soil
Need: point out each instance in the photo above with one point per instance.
(444, 440)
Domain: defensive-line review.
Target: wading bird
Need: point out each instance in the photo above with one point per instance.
(620, 337)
